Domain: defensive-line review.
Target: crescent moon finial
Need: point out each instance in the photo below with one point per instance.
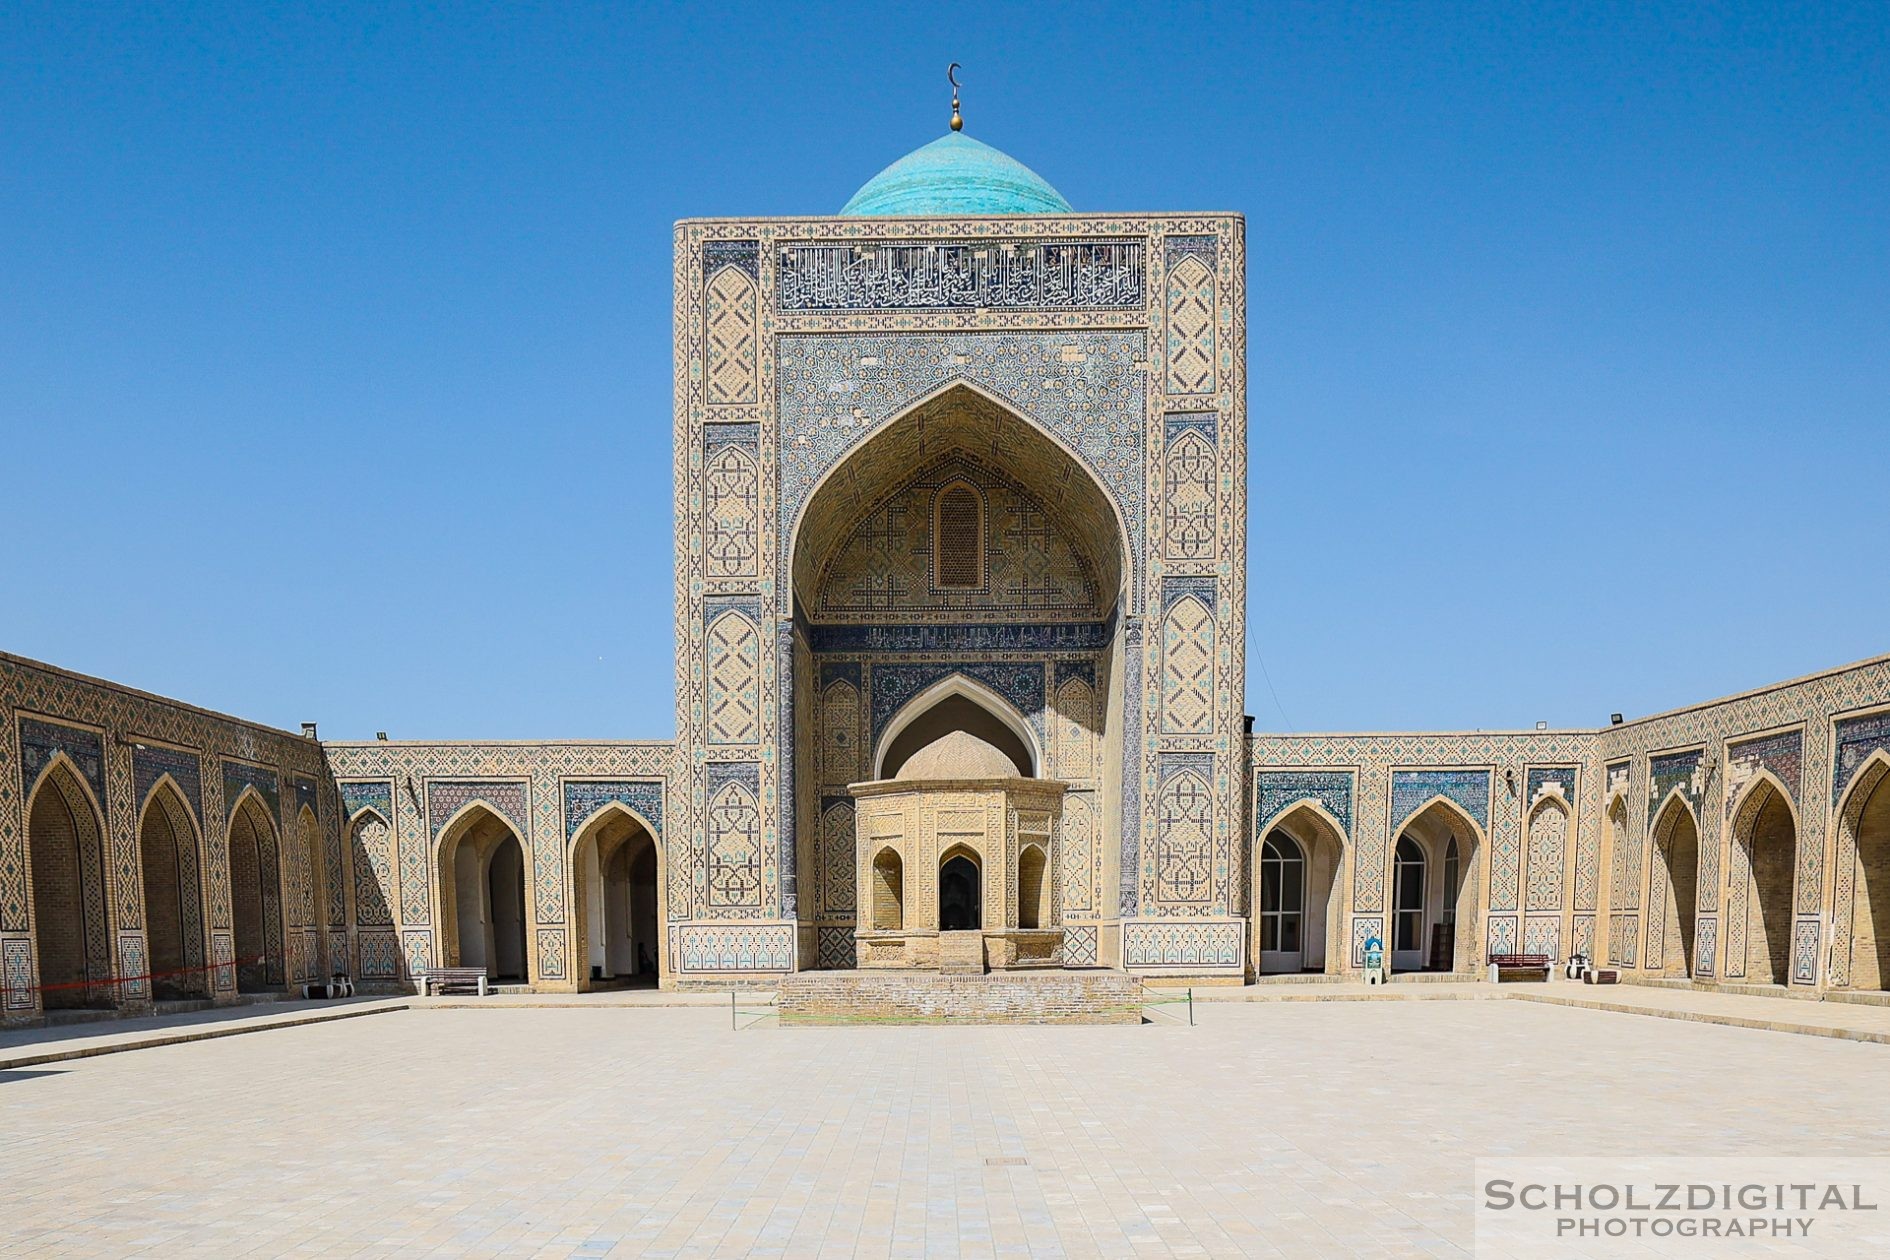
(951, 76)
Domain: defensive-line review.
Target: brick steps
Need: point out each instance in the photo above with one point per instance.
(923, 997)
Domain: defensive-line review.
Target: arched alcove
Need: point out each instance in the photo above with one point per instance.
(960, 892)
(1864, 836)
(616, 869)
(1765, 829)
(957, 703)
(958, 569)
(65, 843)
(1306, 938)
(1033, 889)
(255, 896)
(482, 894)
(168, 861)
(1677, 850)
(1435, 890)
(889, 892)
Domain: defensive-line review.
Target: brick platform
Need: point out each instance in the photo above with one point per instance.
(920, 997)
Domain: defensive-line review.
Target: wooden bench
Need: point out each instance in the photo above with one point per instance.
(448, 979)
(1532, 963)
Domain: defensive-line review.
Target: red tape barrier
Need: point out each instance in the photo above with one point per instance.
(149, 975)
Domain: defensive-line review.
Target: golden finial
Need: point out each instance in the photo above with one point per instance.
(951, 75)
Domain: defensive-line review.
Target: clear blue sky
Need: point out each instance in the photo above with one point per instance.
(334, 342)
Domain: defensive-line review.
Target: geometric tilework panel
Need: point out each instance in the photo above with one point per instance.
(732, 330)
(1548, 851)
(507, 800)
(40, 740)
(1857, 738)
(829, 404)
(1188, 692)
(1468, 788)
(583, 799)
(1022, 684)
(148, 764)
(1191, 493)
(734, 647)
(1274, 790)
(237, 776)
(1183, 944)
(377, 795)
(717, 947)
(1191, 359)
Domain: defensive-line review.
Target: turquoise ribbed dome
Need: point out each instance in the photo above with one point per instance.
(956, 175)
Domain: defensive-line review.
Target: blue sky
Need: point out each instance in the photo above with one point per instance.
(335, 374)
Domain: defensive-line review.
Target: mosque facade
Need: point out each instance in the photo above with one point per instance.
(961, 591)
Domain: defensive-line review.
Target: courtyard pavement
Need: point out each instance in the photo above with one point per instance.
(1298, 1129)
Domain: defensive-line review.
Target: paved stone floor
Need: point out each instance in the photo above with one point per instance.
(1343, 1128)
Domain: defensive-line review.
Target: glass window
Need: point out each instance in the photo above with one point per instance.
(1407, 932)
(1282, 893)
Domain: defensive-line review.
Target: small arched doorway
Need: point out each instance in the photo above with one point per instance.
(255, 897)
(619, 920)
(960, 897)
(1767, 835)
(482, 895)
(1033, 890)
(65, 841)
(889, 892)
(173, 905)
(1677, 849)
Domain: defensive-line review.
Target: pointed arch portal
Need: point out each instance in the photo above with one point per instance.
(482, 894)
(65, 843)
(168, 855)
(617, 872)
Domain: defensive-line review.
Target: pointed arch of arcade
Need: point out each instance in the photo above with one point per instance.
(1321, 841)
(1451, 917)
(72, 930)
(1765, 831)
(960, 416)
(1676, 833)
(620, 898)
(1863, 814)
(256, 917)
(1007, 715)
(484, 914)
(171, 864)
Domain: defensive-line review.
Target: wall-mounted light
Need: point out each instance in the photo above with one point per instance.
(411, 793)
(308, 730)
(1509, 781)
(381, 735)
(1614, 719)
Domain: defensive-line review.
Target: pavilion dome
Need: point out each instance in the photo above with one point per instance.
(956, 175)
(958, 755)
